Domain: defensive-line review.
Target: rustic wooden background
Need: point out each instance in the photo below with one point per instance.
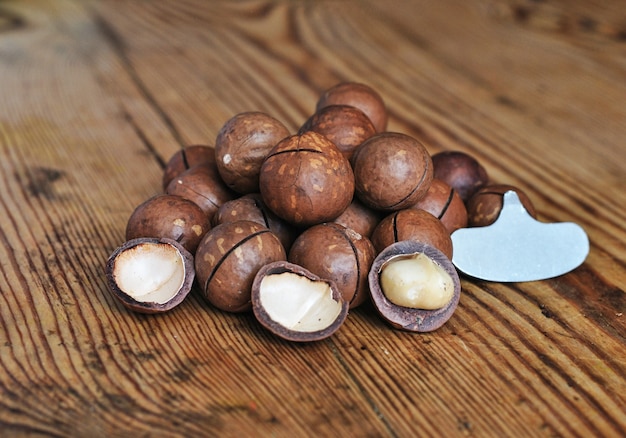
(96, 95)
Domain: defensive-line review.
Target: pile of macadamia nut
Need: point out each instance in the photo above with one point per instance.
(300, 228)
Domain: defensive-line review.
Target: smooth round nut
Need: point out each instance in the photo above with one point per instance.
(443, 202)
(150, 275)
(252, 208)
(242, 144)
(295, 304)
(186, 158)
(336, 253)
(484, 207)
(461, 171)
(346, 126)
(419, 277)
(392, 171)
(360, 218)
(169, 216)
(202, 185)
(360, 96)
(412, 224)
(306, 180)
(228, 258)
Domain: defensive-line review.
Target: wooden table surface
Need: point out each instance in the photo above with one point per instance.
(96, 96)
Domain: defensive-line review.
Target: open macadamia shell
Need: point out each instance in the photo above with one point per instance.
(150, 275)
(409, 318)
(295, 304)
(484, 207)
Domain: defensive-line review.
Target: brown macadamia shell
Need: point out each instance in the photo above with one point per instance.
(358, 95)
(306, 180)
(169, 216)
(252, 208)
(202, 185)
(443, 202)
(407, 318)
(392, 171)
(412, 224)
(295, 304)
(228, 258)
(461, 171)
(336, 253)
(360, 218)
(242, 144)
(187, 158)
(484, 207)
(346, 126)
(150, 275)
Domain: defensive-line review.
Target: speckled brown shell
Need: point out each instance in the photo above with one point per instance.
(443, 202)
(405, 318)
(360, 96)
(484, 207)
(392, 171)
(306, 180)
(202, 185)
(186, 158)
(252, 208)
(360, 218)
(228, 258)
(169, 216)
(336, 253)
(344, 125)
(266, 321)
(242, 144)
(148, 307)
(461, 171)
(412, 224)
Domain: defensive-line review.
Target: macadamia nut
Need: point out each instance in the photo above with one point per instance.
(416, 281)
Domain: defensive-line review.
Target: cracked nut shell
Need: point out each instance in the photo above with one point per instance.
(295, 304)
(169, 216)
(412, 318)
(336, 253)
(229, 257)
(461, 171)
(360, 96)
(412, 224)
(150, 275)
(392, 171)
(484, 207)
(242, 144)
(186, 158)
(344, 125)
(306, 180)
(443, 202)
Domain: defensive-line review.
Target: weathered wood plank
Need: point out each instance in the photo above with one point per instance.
(94, 97)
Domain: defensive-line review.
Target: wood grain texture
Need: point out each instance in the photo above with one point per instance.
(96, 96)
